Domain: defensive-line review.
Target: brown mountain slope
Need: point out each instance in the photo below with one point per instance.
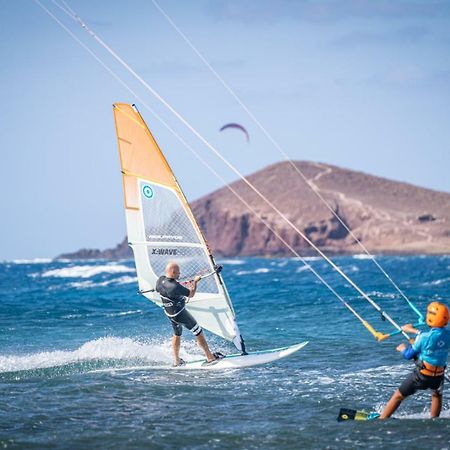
(387, 216)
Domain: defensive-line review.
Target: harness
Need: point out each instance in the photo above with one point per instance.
(168, 303)
(172, 306)
(429, 370)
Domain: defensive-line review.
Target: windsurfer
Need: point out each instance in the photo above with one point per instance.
(430, 351)
(174, 297)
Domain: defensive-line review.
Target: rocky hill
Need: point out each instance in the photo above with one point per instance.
(387, 216)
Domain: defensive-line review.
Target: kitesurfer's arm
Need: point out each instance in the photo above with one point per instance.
(193, 287)
(410, 329)
(410, 351)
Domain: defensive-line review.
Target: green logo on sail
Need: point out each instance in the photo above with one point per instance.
(147, 191)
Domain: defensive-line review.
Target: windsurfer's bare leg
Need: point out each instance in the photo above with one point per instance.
(176, 342)
(201, 341)
(436, 404)
(392, 405)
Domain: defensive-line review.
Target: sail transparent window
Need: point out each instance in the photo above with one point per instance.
(169, 232)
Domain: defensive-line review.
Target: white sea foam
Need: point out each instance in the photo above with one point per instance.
(423, 415)
(88, 284)
(283, 263)
(124, 313)
(87, 271)
(125, 280)
(232, 262)
(436, 282)
(362, 256)
(393, 371)
(244, 272)
(100, 314)
(379, 294)
(108, 348)
(256, 271)
(32, 261)
(83, 284)
(307, 258)
(325, 380)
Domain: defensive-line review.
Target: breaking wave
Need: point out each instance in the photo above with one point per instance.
(232, 262)
(91, 284)
(436, 282)
(87, 271)
(256, 271)
(32, 261)
(102, 349)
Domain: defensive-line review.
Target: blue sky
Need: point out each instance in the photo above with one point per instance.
(360, 84)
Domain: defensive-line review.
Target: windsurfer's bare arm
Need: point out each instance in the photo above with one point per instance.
(193, 287)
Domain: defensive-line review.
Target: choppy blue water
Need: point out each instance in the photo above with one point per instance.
(81, 356)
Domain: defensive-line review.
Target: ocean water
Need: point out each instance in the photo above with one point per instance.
(83, 360)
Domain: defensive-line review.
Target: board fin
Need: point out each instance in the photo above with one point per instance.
(353, 414)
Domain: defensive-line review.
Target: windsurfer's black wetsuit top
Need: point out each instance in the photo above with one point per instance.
(173, 296)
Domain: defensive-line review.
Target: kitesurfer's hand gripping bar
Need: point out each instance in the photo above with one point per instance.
(388, 335)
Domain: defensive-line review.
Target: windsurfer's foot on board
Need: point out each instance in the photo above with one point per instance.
(174, 297)
(201, 342)
(430, 351)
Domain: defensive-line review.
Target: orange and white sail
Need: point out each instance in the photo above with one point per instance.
(162, 228)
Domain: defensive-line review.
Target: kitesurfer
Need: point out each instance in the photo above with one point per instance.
(174, 297)
(430, 351)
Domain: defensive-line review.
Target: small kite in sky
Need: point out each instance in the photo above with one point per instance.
(238, 127)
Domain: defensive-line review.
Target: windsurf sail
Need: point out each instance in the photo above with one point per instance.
(162, 228)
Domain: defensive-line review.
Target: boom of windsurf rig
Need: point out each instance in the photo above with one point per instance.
(217, 269)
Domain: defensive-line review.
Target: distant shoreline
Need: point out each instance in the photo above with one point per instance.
(388, 217)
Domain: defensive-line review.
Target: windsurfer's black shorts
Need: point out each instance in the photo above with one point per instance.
(416, 381)
(184, 318)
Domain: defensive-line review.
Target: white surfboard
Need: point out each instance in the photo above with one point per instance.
(238, 361)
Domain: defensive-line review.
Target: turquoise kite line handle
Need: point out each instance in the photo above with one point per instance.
(418, 324)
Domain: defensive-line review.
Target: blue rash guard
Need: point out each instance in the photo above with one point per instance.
(432, 347)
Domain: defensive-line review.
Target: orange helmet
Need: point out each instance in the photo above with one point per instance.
(437, 315)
